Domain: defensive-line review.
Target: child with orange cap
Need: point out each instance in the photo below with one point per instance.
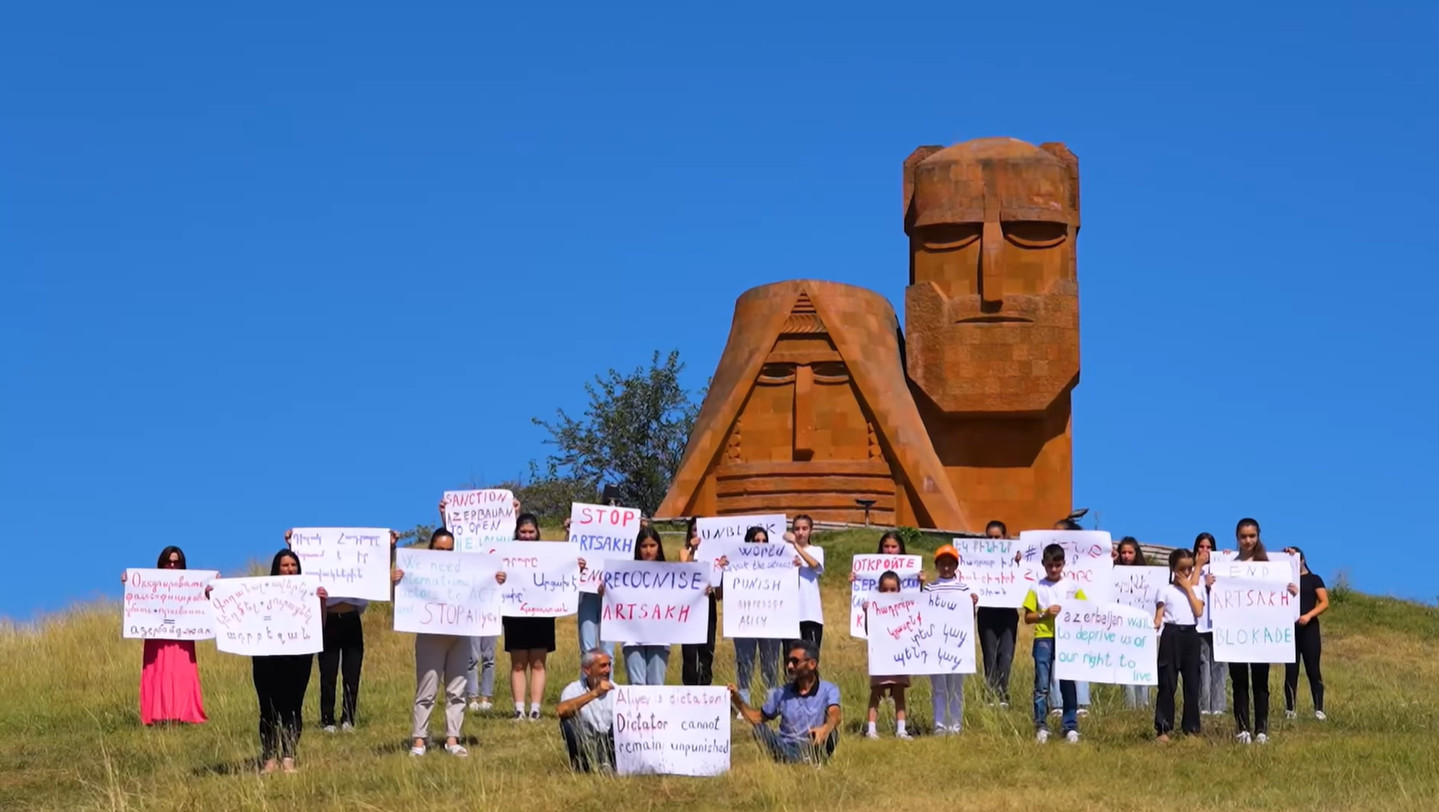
(948, 689)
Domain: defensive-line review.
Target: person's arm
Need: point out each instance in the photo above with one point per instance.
(287, 537)
(1032, 615)
(750, 715)
(807, 559)
(1321, 603)
(831, 723)
(1195, 604)
(568, 708)
(1159, 615)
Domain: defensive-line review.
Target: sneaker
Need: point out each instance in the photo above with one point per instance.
(456, 750)
(955, 729)
(1004, 705)
(1056, 712)
(534, 716)
(1289, 714)
(1072, 737)
(1242, 737)
(1262, 738)
(1084, 711)
(1041, 736)
(941, 730)
(902, 734)
(1320, 715)
(518, 716)
(473, 707)
(329, 728)
(485, 706)
(872, 734)
(417, 750)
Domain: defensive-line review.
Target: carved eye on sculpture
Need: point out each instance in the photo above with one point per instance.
(830, 372)
(949, 236)
(1035, 233)
(774, 374)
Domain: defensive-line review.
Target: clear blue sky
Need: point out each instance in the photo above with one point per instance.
(292, 264)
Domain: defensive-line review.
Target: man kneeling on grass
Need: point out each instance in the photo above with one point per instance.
(587, 714)
(807, 709)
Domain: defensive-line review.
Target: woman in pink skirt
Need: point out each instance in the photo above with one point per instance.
(170, 680)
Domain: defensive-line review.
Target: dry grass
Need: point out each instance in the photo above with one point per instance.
(70, 737)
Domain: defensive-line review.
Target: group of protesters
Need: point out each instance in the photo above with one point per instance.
(806, 707)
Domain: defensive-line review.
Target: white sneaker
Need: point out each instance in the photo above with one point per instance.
(941, 730)
(329, 728)
(1072, 737)
(417, 751)
(456, 750)
(473, 707)
(1262, 738)
(1056, 711)
(872, 734)
(1041, 736)
(1242, 737)
(1289, 714)
(485, 706)
(346, 727)
(1084, 711)
(1320, 715)
(902, 734)
(1004, 705)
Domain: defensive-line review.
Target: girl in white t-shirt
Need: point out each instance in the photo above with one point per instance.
(1176, 613)
(810, 560)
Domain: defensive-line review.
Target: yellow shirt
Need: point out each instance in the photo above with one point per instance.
(1049, 593)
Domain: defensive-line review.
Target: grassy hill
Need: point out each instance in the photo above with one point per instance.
(70, 736)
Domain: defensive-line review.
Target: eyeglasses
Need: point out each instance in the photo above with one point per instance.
(796, 660)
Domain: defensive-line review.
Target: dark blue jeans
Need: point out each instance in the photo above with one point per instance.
(793, 752)
(1043, 667)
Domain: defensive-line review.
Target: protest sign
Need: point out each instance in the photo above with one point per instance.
(1281, 569)
(655, 603)
(542, 578)
(762, 602)
(447, 592)
(1088, 557)
(167, 604)
(867, 568)
(600, 534)
(1253, 617)
(480, 518)
(349, 562)
(712, 528)
(273, 614)
(988, 566)
(1138, 587)
(924, 633)
(671, 730)
(1106, 642)
(743, 556)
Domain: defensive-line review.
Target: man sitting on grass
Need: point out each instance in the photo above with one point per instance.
(587, 714)
(807, 709)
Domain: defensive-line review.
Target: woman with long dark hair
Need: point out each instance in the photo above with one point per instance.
(170, 677)
(1245, 676)
(697, 659)
(1211, 672)
(1313, 602)
(529, 640)
(280, 683)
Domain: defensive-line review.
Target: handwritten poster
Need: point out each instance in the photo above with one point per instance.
(167, 604)
(655, 603)
(988, 567)
(350, 562)
(600, 534)
(762, 603)
(924, 633)
(447, 592)
(743, 556)
(1253, 617)
(867, 568)
(273, 614)
(672, 730)
(1282, 567)
(1138, 587)
(711, 528)
(480, 518)
(542, 578)
(1106, 642)
(1087, 561)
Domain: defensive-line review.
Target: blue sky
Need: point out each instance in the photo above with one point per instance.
(299, 264)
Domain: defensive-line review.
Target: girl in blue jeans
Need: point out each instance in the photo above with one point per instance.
(745, 647)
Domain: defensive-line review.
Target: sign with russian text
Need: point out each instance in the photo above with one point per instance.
(1106, 642)
(272, 614)
(867, 568)
(542, 578)
(447, 592)
(655, 603)
(480, 518)
(762, 602)
(167, 604)
(602, 534)
(350, 562)
(671, 730)
(1088, 557)
(988, 567)
(1253, 617)
(924, 633)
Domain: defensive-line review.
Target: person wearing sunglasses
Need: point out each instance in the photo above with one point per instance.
(807, 708)
(170, 678)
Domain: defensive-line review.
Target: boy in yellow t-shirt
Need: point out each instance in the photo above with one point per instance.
(1041, 606)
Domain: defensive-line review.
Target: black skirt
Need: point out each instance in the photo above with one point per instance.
(528, 633)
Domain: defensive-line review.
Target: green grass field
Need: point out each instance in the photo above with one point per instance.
(70, 736)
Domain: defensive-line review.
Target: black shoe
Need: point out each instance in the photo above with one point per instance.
(534, 716)
(518, 715)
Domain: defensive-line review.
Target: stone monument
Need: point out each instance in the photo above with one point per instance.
(820, 404)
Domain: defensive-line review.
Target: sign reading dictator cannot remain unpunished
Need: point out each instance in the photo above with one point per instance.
(599, 534)
(672, 730)
(655, 603)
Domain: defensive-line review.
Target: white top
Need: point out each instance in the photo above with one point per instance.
(1176, 605)
(1049, 593)
(809, 606)
(597, 717)
(946, 585)
(1204, 624)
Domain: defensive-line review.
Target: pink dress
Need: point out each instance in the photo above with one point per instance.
(170, 683)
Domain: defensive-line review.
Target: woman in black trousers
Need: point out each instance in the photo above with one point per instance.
(1313, 602)
(280, 683)
(1242, 675)
(697, 659)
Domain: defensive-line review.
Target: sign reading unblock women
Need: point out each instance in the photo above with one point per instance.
(1253, 618)
(924, 633)
(447, 592)
(350, 562)
(273, 614)
(867, 568)
(599, 534)
(671, 730)
(1106, 642)
(655, 603)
